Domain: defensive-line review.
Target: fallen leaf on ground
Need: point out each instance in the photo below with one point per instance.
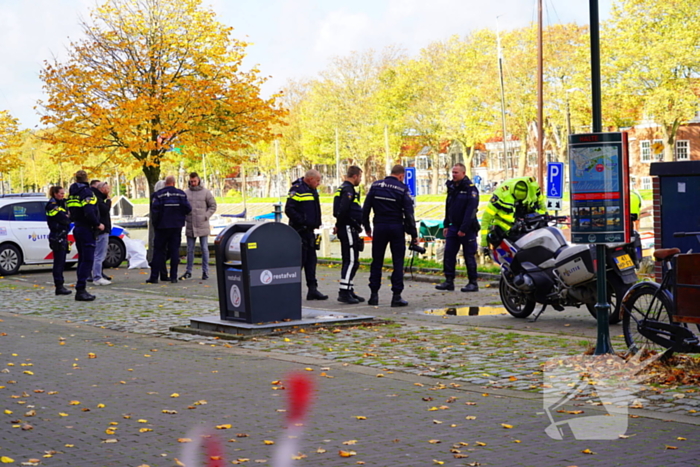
(342, 453)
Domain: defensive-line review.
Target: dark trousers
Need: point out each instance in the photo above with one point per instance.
(350, 253)
(453, 243)
(59, 264)
(383, 235)
(308, 257)
(85, 242)
(166, 241)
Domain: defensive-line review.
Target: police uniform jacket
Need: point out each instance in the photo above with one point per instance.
(303, 207)
(82, 205)
(103, 207)
(346, 207)
(392, 204)
(57, 218)
(462, 205)
(169, 208)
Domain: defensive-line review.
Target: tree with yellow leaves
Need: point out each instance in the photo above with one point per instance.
(9, 142)
(150, 76)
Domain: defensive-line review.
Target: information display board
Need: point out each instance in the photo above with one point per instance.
(599, 175)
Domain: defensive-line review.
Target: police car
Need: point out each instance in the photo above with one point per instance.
(24, 235)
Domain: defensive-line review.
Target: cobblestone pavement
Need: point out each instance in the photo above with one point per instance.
(77, 395)
(447, 347)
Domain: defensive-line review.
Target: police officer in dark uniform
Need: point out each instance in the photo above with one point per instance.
(303, 209)
(348, 214)
(393, 218)
(59, 223)
(461, 228)
(82, 206)
(169, 207)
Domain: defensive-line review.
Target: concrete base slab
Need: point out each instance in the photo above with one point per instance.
(309, 318)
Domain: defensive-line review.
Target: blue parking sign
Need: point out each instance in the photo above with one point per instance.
(410, 181)
(555, 180)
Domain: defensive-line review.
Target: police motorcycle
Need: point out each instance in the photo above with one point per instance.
(538, 266)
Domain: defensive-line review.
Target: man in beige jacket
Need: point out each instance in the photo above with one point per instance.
(197, 224)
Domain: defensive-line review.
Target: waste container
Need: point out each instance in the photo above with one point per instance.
(258, 269)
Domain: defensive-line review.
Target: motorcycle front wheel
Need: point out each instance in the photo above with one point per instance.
(516, 303)
(615, 290)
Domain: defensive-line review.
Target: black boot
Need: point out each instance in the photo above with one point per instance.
(83, 296)
(314, 294)
(60, 290)
(396, 300)
(470, 287)
(344, 296)
(447, 285)
(356, 297)
(373, 299)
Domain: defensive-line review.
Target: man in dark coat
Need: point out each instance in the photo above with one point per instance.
(82, 206)
(104, 205)
(169, 207)
(393, 219)
(303, 209)
(460, 228)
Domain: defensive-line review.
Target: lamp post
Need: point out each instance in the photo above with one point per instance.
(36, 186)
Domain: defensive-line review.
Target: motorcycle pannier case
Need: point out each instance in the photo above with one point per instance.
(575, 264)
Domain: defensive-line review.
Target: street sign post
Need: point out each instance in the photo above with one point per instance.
(410, 181)
(555, 185)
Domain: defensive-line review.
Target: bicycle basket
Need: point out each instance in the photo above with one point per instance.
(687, 294)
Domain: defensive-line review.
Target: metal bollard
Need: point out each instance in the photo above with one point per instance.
(278, 212)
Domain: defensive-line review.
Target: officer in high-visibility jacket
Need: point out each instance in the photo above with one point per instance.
(304, 211)
(514, 198)
(59, 224)
(82, 206)
(348, 215)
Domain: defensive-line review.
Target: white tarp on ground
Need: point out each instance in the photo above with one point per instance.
(136, 253)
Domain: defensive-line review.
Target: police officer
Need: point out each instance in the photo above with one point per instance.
(304, 211)
(461, 228)
(169, 206)
(59, 223)
(82, 206)
(514, 198)
(393, 218)
(348, 214)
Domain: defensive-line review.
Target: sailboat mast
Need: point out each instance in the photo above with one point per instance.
(503, 95)
(540, 119)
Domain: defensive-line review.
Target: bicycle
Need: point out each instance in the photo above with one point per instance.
(656, 316)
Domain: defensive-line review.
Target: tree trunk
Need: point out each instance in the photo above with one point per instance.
(268, 184)
(522, 158)
(152, 174)
(669, 137)
(435, 174)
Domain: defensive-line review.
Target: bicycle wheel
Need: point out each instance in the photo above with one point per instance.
(640, 305)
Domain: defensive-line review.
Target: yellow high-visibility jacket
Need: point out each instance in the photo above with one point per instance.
(502, 207)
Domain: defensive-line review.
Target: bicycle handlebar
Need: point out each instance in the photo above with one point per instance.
(685, 234)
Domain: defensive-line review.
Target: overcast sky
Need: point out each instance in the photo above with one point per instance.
(291, 38)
